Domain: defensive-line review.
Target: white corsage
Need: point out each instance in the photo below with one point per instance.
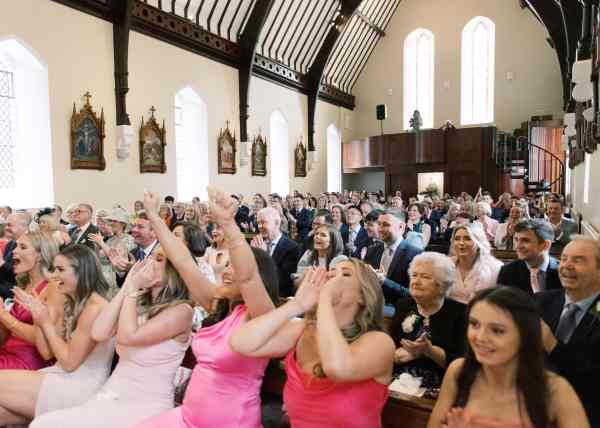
(408, 325)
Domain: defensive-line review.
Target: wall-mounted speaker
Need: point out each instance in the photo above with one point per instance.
(381, 111)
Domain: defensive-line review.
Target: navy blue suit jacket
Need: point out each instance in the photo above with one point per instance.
(303, 222)
(516, 274)
(579, 359)
(286, 255)
(398, 270)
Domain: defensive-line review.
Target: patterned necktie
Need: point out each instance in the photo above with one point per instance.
(534, 279)
(141, 254)
(386, 259)
(567, 323)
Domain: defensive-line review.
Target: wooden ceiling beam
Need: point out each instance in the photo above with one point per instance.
(317, 68)
(122, 12)
(247, 44)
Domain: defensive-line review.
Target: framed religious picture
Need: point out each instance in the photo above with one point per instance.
(300, 160)
(226, 151)
(259, 155)
(152, 145)
(87, 137)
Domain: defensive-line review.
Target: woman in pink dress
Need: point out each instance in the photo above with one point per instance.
(338, 360)
(151, 319)
(224, 390)
(502, 382)
(82, 364)
(33, 258)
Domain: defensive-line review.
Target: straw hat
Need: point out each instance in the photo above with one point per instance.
(120, 215)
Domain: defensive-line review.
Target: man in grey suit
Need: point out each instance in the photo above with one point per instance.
(563, 227)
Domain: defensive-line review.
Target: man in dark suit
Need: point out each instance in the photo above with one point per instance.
(301, 217)
(357, 234)
(16, 226)
(285, 252)
(535, 270)
(320, 218)
(571, 322)
(372, 228)
(392, 259)
(82, 218)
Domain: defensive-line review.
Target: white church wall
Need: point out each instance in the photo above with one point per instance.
(521, 50)
(78, 49)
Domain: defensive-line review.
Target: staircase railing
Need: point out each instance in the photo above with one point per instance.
(540, 169)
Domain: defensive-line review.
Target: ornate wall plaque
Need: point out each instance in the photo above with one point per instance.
(300, 160)
(152, 145)
(259, 155)
(87, 137)
(226, 151)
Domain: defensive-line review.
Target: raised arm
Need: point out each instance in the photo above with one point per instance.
(105, 325)
(241, 257)
(201, 289)
(12, 325)
(169, 323)
(369, 357)
(273, 334)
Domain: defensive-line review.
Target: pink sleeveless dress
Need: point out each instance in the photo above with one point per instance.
(479, 421)
(224, 390)
(313, 402)
(17, 353)
(140, 386)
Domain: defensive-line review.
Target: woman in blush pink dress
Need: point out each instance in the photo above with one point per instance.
(338, 360)
(224, 390)
(151, 319)
(33, 258)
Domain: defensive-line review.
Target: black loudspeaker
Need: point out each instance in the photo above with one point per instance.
(381, 110)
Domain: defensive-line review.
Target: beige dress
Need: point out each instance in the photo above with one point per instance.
(61, 389)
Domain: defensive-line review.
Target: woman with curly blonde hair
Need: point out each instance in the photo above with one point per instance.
(337, 353)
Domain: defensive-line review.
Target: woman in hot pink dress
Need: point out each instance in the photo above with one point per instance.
(338, 360)
(33, 258)
(224, 390)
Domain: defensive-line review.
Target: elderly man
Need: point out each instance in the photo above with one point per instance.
(285, 252)
(535, 270)
(563, 227)
(571, 321)
(392, 259)
(81, 217)
(16, 226)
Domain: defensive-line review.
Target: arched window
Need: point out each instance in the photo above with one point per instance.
(26, 177)
(191, 145)
(586, 179)
(418, 76)
(334, 159)
(477, 93)
(279, 148)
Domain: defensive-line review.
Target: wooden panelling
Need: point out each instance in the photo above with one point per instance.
(430, 147)
(401, 149)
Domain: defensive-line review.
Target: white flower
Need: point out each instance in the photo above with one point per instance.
(408, 325)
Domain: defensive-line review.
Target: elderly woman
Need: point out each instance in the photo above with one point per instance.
(483, 212)
(49, 223)
(476, 267)
(429, 328)
(450, 216)
(506, 231)
(328, 249)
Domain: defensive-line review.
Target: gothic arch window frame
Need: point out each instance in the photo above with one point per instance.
(418, 44)
(474, 65)
(279, 152)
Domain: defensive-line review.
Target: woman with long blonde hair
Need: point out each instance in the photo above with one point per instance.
(151, 319)
(337, 354)
(33, 258)
(63, 332)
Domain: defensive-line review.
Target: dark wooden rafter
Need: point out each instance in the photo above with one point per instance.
(563, 21)
(122, 11)
(317, 68)
(319, 37)
(247, 44)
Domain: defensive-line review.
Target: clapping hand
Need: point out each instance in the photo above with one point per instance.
(96, 237)
(117, 260)
(39, 310)
(222, 206)
(458, 418)
(307, 295)
(418, 348)
(402, 356)
(141, 276)
(259, 242)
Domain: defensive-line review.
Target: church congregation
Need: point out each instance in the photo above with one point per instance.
(321, 272)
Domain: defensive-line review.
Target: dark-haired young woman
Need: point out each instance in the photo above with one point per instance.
(501, 382)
